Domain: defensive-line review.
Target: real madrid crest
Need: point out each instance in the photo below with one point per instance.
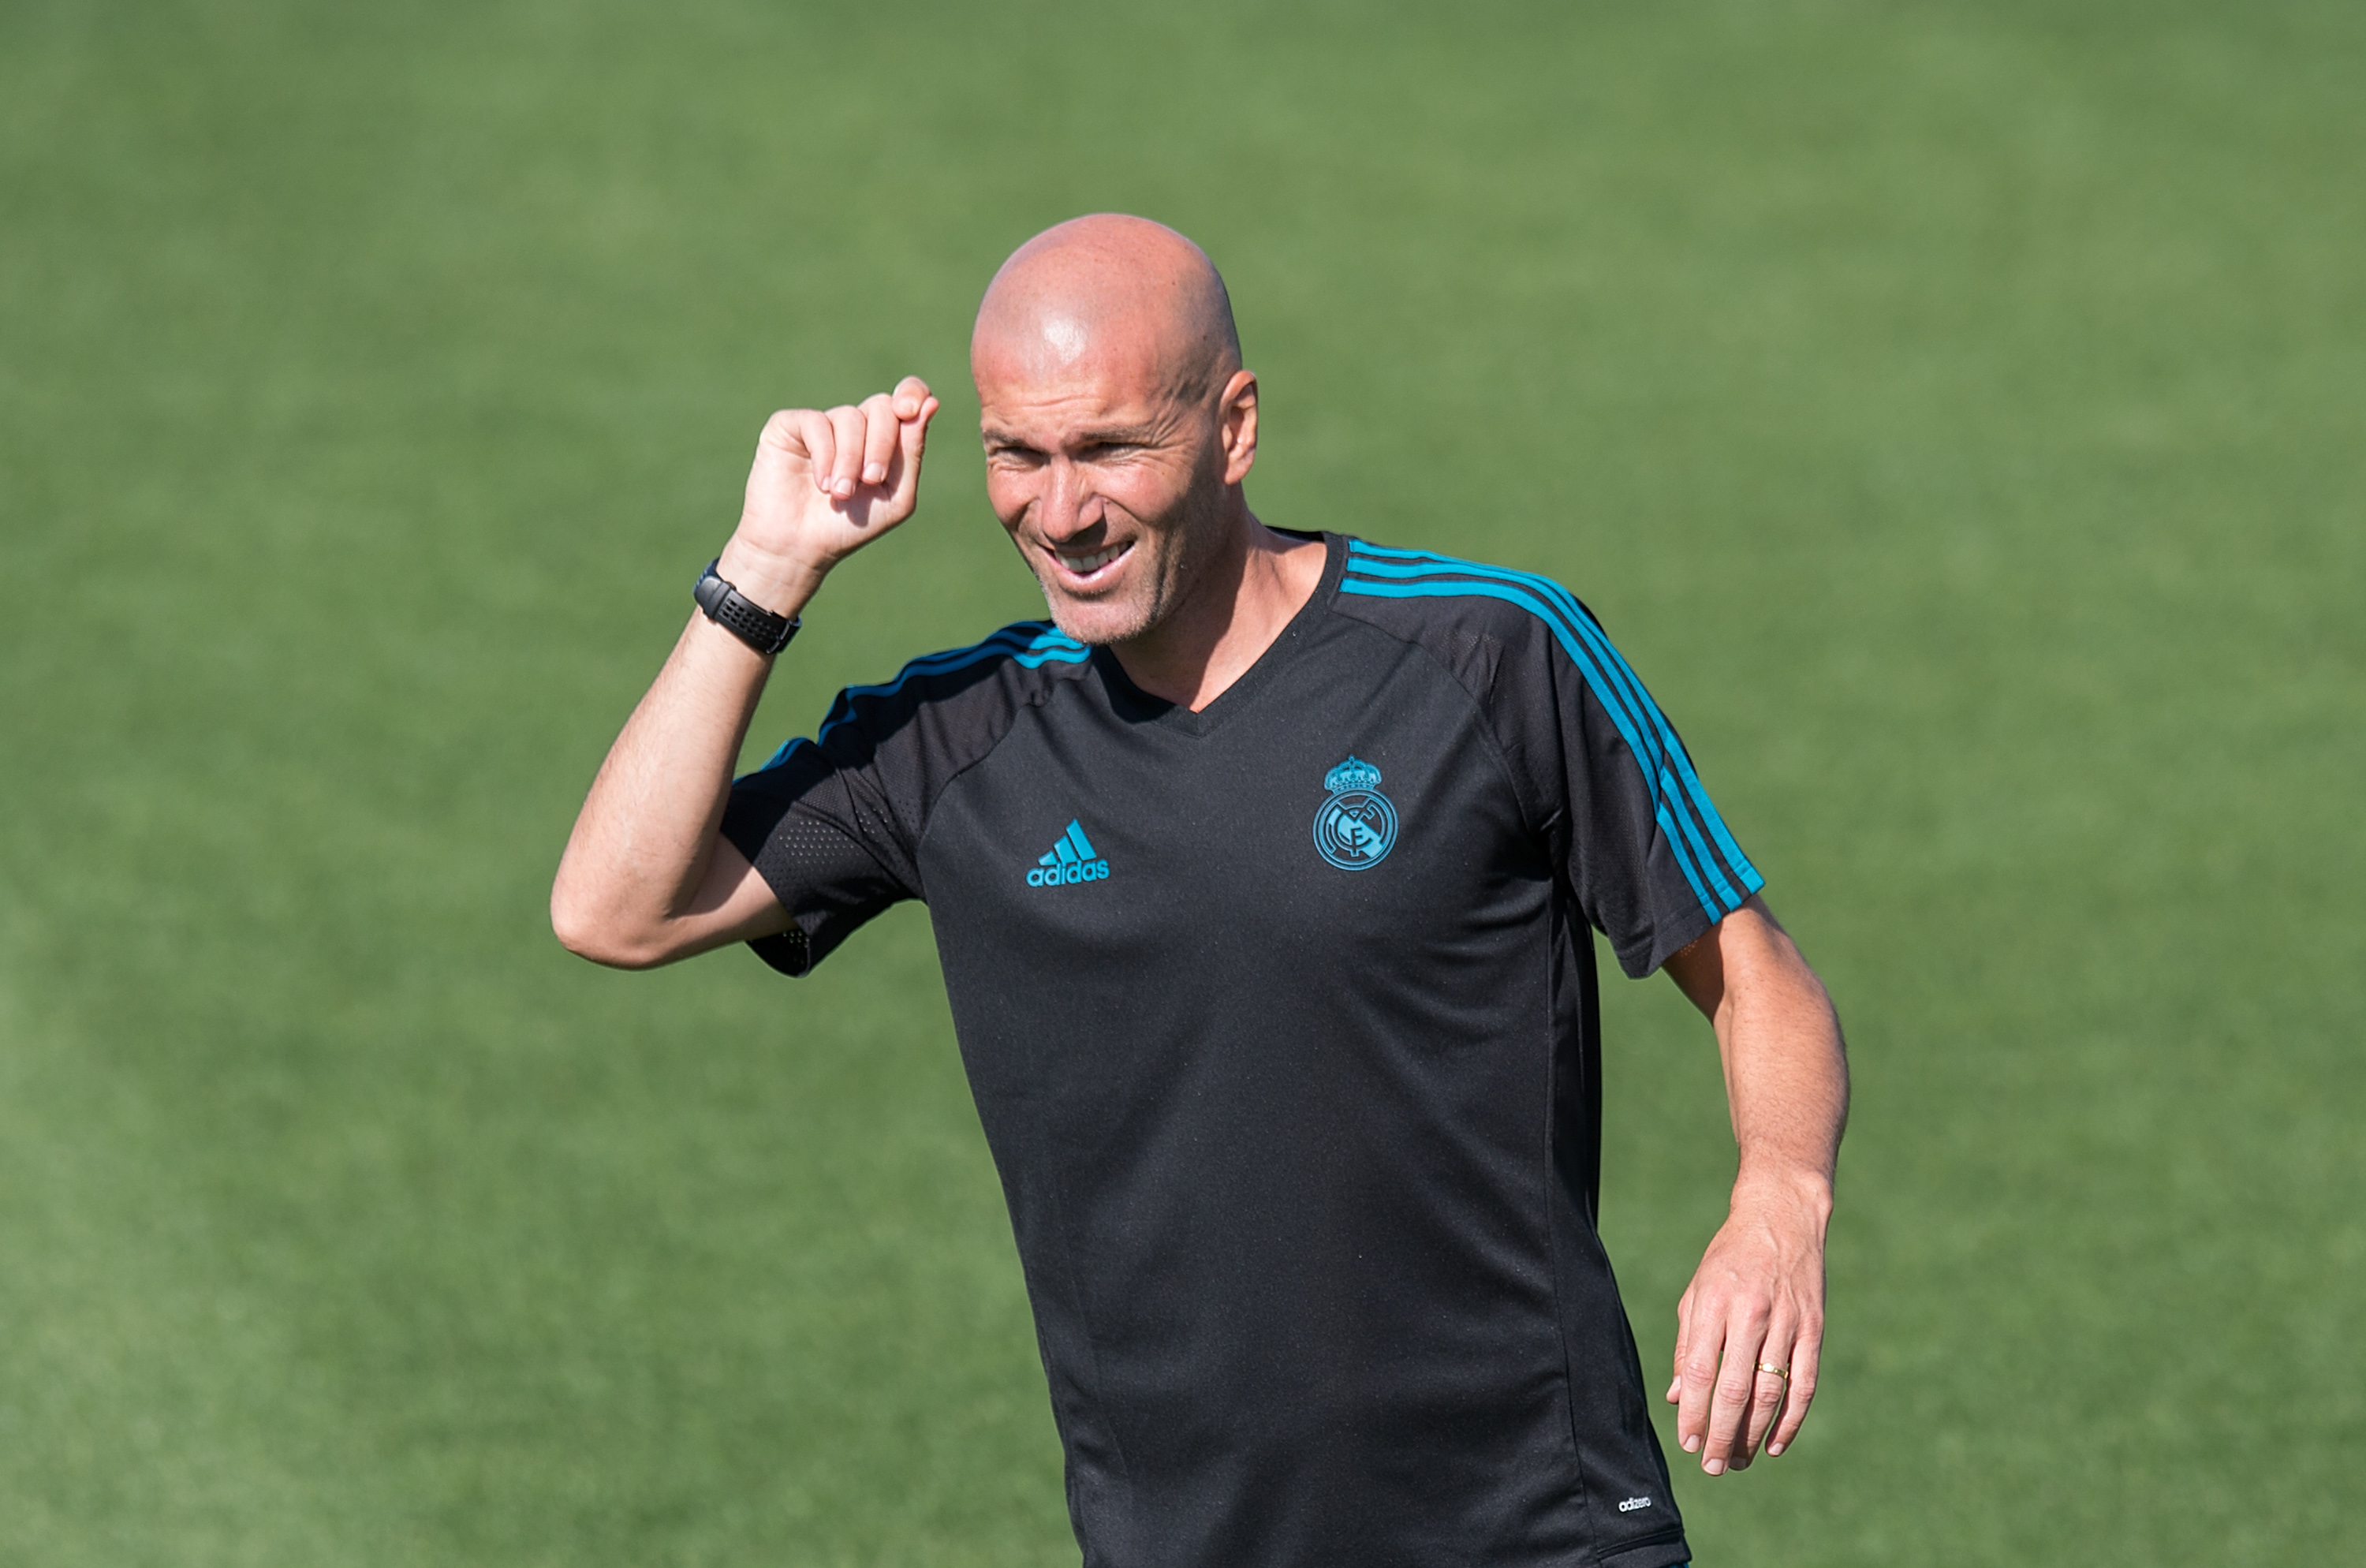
(1357, 827)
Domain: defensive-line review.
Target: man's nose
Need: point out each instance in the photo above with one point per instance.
(1067, 506)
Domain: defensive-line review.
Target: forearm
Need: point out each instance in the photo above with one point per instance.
(645, 879)
(1750, 1327)
(1786, 1072)
(1785, 1067)
(646, 838)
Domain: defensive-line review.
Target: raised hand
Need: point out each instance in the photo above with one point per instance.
(824, 484)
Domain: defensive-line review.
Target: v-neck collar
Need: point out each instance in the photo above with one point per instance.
(1138, 706)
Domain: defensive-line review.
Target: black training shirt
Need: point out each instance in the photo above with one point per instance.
(1280, 1018)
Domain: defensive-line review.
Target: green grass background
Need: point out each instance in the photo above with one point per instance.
(1954, 410)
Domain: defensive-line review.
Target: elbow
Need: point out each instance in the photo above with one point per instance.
(601, 937)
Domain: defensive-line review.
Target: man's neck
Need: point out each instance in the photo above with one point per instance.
(1229, 618)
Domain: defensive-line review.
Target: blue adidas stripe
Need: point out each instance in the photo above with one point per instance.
(1587, 627)
(1573, 617)
(788, 748)
(1683, 863)
(1591, 631)
(1655, 746)
(1663, 783)
(1649, 735)
(1420, 563)
(1030, 643)
(1641, 699)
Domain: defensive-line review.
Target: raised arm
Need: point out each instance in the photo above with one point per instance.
(1757, 1301)
(646, 877)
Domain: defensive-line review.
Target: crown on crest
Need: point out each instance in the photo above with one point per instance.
(1353, 774)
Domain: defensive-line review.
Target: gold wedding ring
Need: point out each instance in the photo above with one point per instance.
(1783, 1372)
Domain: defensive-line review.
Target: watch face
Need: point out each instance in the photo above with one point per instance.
(710, 592)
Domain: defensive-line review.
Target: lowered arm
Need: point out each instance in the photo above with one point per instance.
(1756, 1303)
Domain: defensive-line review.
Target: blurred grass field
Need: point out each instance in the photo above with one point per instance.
(1958, 413)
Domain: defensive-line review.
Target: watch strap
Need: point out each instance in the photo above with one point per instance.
(740, 615)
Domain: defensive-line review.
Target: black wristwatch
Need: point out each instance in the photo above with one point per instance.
(740, 615)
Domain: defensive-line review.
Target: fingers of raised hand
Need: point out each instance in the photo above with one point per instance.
(912, 440)
(826, 481)
(881, 431)
(792, 437)
(836, 476)
(867, 438)
(793, 431)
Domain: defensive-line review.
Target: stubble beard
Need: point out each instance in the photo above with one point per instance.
(1155, 598)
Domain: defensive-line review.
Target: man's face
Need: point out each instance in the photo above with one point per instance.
(1109, 477)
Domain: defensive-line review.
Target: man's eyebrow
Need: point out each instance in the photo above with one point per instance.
(1114, 435)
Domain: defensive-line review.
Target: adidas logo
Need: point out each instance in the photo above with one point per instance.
(1073, 859)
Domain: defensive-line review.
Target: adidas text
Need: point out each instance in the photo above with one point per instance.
(1631, 1503)
(1059, 875)
(1073, 859)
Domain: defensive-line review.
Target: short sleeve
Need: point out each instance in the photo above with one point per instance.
(834, 824)
(1650, 861)
(1602, 778)
(818, 825)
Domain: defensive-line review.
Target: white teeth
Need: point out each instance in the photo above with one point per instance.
(1084, 566)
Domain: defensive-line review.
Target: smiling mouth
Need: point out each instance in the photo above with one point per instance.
(1092, 565)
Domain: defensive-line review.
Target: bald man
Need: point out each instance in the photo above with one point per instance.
(1265, 876)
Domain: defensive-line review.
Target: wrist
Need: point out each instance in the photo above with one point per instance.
(780, 584)
(723, 604)
(1790, 1185)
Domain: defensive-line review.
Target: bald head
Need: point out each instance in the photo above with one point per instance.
(1105, 293)
(1117, 421)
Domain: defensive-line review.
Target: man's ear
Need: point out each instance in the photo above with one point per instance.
(1236, 410)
